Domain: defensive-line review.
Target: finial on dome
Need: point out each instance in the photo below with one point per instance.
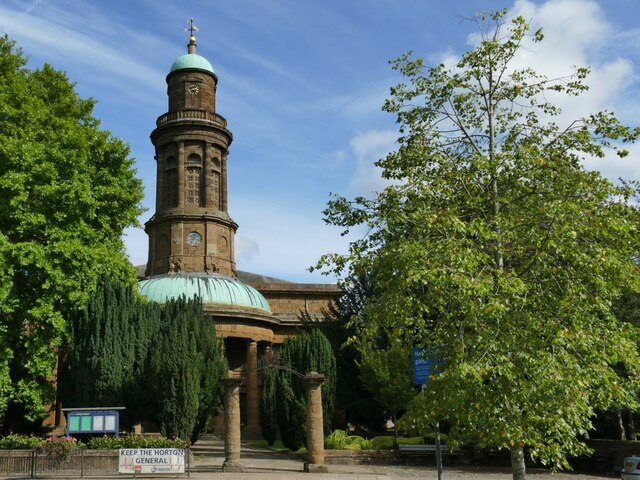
(191, 46)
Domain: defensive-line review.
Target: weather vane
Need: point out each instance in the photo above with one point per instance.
(192, 28)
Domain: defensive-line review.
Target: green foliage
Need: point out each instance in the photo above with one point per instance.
(410, 441)
(342, 323)
(110, 342)
(18, 442)
(336, 440)
(496, 248)
(57, 448)
(366, 444)
(134, 441)
(388, 375)
(163, 363)
(310, 351)
(268, 405)
(186, 366)
(383, 442)
(68, 191)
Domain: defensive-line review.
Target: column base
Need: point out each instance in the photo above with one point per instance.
(316, 468)
(233, 467)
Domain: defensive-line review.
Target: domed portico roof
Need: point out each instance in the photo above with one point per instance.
(211, 289)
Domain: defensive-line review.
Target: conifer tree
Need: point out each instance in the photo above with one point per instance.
(268, 405)
(310, 351)
(109, 345)
(186, 367)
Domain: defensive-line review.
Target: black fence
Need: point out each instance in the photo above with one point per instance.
(79, 463)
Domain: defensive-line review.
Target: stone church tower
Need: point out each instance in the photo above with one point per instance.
(191, 230)
(191, 235)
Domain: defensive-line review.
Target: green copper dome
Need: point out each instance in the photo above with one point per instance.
(212, 289)
(191, 60)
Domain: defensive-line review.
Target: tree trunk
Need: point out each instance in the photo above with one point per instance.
(517, 463)
(631, 426)
(622, 434)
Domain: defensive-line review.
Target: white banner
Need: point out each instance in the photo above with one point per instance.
(152, 460)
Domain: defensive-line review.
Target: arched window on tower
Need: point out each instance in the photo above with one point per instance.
(194, 180)
(171, 182)
(215, 183)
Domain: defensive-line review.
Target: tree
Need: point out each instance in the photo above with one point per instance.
(343, 322)
(68, 191)
(186, 366)
(310, 351)
(387, 374)
(268, 405)
(495, 247)
(107, 359)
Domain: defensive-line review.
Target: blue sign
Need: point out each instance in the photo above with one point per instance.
(423, 365)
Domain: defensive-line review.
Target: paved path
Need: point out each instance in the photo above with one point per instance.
(265, 464)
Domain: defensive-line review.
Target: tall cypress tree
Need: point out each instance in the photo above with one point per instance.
(106, 360)
(268, 405)
(185, 370)
(212, 368)
(310, 351)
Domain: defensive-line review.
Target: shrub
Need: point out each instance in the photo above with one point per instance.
(384, 442)
(410, 441)
(366, 444)
(57, 448)
(336, 440)
(431, 438)
(135, 441)
(18, 442)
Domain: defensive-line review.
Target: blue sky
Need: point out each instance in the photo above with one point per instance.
(301, 83)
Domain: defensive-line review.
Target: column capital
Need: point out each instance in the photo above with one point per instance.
(313, 379)
(231, 382)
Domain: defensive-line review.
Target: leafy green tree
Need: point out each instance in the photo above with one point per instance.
(342, 325)
(68, 191)
(310, 351)
(496, 248)
(387, 373)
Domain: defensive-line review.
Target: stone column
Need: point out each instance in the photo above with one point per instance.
(232, 425)
(252, 428)
(315, 429)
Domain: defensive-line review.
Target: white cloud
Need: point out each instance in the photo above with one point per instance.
(575, 31)
(577, 34)
(68, 37)
(288, 239)
(246, 249)
(367, 148)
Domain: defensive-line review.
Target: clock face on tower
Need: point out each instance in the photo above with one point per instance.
(193, 88)
(194, 239)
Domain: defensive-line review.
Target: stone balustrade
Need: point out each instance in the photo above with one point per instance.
(191, 115)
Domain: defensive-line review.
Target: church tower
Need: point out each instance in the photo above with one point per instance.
(191, 230)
